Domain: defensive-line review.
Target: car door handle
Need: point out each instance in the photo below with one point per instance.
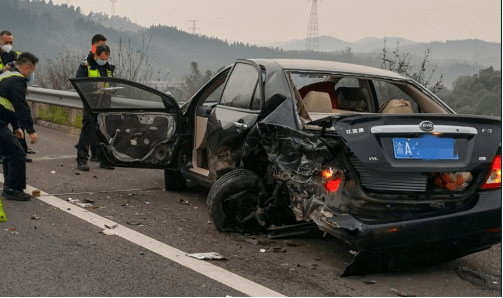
(240, 126)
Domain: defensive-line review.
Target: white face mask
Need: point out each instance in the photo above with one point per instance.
(7, 48)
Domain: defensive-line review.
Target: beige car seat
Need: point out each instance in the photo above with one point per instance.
(396, 106)
(318, 102)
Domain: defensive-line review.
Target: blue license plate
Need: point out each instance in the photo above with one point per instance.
(427, 147)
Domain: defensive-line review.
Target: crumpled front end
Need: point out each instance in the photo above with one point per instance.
(322, 188)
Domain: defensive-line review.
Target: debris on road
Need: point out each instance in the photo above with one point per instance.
(53, 172)
(109, 232)
(279, 250)
(133, 223)
(182, 201)
(84, 205)
(35, 193)
(111, 226)
(401, 294)
(35, 217)
(262, 250)
(252, 241)
(207, 256)
(88, 201)
(369, 282)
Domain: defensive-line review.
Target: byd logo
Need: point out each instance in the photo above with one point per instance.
(426, 125)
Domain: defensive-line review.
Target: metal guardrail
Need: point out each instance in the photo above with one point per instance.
(67, 99)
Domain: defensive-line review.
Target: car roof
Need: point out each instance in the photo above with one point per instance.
(332, 66)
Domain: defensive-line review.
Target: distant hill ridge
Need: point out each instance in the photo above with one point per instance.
(47, 29)
(469, 50)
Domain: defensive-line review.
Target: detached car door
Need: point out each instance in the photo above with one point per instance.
(136, 126)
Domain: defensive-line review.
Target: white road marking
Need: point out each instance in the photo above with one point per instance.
(55, 157)
(216, 273)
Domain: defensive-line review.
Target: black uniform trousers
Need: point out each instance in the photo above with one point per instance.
(87, 136)
(14, 163)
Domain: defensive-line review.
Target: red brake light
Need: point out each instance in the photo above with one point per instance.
(494, 178)
(332, 185)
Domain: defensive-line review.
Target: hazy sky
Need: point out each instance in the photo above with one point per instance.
(262, 21)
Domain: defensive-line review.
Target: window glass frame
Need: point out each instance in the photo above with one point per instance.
(258, 87)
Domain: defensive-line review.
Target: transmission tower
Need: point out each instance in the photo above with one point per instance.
(312, 39)
(194, 28)
(113, 7)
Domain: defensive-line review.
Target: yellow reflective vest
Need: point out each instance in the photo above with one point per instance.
(4, 101)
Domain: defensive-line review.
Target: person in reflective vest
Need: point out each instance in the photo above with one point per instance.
(7, 59)
(7, 55)
(14, 110)
(92, 68)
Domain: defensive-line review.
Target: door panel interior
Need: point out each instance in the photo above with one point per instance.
(135, 137)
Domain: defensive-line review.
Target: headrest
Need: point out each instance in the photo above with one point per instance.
(318, 102)
(396, 106)
(351, 98)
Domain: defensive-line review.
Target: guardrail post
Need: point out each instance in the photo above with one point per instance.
(72, 114)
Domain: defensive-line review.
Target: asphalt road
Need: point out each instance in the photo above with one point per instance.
(48, 247)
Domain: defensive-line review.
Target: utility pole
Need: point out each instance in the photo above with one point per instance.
(312, 39)
(113, 8)
(194, 28)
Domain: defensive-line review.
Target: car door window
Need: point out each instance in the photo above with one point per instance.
(240, 87)
(116, 95)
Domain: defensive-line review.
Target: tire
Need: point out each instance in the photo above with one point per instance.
(226, 213)
(173, 180)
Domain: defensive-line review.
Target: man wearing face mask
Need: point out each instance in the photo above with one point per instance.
(6, 53)
(7, 59)
(92, 68)
(15, 110)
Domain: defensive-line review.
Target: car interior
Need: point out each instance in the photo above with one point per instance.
(338, 95)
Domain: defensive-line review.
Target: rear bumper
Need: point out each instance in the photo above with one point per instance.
(461, 233)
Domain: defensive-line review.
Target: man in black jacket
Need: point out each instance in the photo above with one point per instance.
(7, 59)
(15, 110)
(98, 66)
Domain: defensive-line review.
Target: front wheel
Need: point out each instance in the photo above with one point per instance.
(233, 201)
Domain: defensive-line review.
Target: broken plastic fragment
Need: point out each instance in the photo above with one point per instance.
(110, 232)
(53, 172)
(207, 256)
(84, 205)
(262, 250)
(182, 201)
(111, 226)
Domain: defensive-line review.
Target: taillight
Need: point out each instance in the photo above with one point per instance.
(494, 178)
(332, 179)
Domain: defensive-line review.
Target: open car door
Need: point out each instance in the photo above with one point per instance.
(136, 126)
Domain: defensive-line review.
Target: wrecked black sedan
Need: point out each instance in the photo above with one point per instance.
(371, 157)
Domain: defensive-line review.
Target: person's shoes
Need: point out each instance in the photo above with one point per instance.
(106, 167)
(28, 159)
(94, 158)
(30, 151)
(12, 194)
(82, 166)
